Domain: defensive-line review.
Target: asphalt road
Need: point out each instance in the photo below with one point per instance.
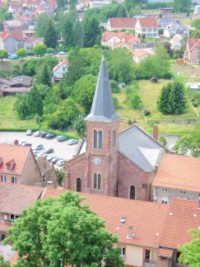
(61, 149)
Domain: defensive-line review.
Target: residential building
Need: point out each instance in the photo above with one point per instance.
(147, 27)
(13, 199)
(112, 163)
(119, 24)
(48, 173)
(177, 176)
(18, 165)
(141, 54)
(116, 39)
(30, 43)
(192, 51)
(176, 27)
(59, 70)
(163, 22)
(149, 233)
(11, 41)
(176, 42)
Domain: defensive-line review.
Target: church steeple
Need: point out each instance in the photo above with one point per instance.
(102, 107)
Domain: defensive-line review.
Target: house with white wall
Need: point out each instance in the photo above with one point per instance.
(59, 70)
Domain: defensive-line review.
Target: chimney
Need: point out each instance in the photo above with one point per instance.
(130, 232)
(155, 132)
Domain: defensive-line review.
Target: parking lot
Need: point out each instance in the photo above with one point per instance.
(61, 149)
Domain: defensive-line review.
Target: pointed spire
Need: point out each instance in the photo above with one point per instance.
(102, 107)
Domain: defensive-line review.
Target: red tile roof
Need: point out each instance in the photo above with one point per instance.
(178, 172)
(148, 23)
(139, 214)
(122, 23)
(10, 152)
(18, 35)
(60, 64)
(193, 43)
(182, 216)
(14, 198)
(140, 53)
(164, 252)
(128, 38)
(13, 259)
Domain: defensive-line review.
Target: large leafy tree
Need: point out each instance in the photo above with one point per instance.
(62, 231)
(172, 99)
(39, 49)
(188, 145)
(35, 103)
(64, 115)
(190, 253)
(3, 54)
(42, 24)
(182, 5)
(91, 31)
(68, 34)
(50, 35)
(196, 24)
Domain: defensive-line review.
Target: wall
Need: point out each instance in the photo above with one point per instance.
(134, 255)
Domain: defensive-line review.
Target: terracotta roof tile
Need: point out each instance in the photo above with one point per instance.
(139, 214)
(148, 23)
(13, 152)
(14, 198)
(16, 34)
(140, 53)
(13, 259)
(60, 64)
(164, 252)
(178, 172)
(122, 22)
(182, 216)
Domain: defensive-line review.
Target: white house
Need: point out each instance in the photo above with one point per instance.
(147, 27)
(176, 27)
(176, 42)
(59, 70)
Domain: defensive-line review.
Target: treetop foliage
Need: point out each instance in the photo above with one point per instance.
(61, 231)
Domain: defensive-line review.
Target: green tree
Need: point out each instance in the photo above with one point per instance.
(35, 103)
(41, 24)
(134, 101)
(172, 99)
(182, 6)
(43, 75)
(79, 125)
(195, 34)
(64, 115)
(21, 106)
(50, 35)
(39, 49)
(78, 34)
(62, 231)
(68, 33)
(4, 263)
(91, 31)
(188, 145)
(84, 91)
(21, 53)
(120, 66)
(190, 251)
(196, 24)
(3, 54)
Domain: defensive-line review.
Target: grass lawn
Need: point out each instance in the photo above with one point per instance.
(149, 93)
(8, 117)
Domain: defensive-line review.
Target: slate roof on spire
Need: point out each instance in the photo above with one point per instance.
(102, 107)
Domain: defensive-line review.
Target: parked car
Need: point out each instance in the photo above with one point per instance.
(72, 141)
(50, 136)
(24, 143)
(37, 134)
(61, 138)
(49, 150)
(43, 134)
(62, 53)
(60, 163)
(41, 154)
(55, 159)
(38, 147)
(13, 57)
(49, 157)
(29, 132)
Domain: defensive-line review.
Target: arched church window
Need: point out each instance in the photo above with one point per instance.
(95, 139)
(78, 185)
(132, 192)
(100, 139)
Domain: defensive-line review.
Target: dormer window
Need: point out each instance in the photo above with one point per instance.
(10, 164)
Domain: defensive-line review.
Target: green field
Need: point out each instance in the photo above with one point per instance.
(8, 116)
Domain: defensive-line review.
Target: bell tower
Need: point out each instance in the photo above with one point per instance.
(102, 126)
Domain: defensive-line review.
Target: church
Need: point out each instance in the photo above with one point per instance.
(110, 162)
